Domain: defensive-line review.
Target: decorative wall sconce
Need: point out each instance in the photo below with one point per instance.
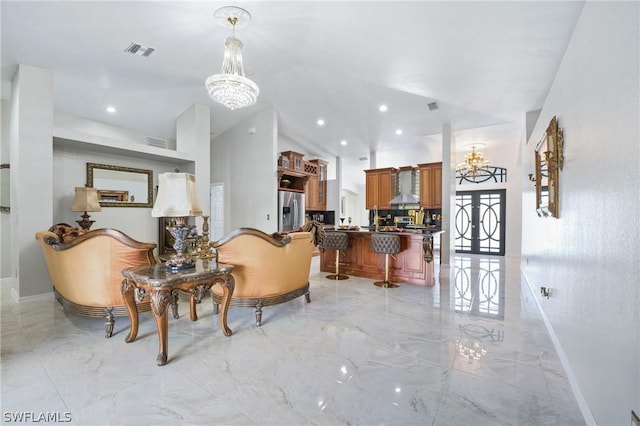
(549, 160)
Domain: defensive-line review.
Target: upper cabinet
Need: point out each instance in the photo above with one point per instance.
(380, 187)
(316, 187)
(430, 185)
(297, 175)
(292, 172)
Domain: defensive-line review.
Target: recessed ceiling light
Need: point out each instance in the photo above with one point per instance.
(320, 122)
(398, 132)
(111, 109)
(343, 142)
(382, 108)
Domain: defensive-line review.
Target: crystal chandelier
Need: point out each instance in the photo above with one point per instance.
(231, 88)
(473, 162)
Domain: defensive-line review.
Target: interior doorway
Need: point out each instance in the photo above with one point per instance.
(216, 195)
(480, 221)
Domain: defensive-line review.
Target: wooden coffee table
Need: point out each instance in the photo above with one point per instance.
(162, 285)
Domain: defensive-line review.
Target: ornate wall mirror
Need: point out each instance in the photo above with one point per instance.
(549, 161)
(121, 186)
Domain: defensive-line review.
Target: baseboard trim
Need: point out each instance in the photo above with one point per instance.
(33, 298)
(577, 393)
(7, 281)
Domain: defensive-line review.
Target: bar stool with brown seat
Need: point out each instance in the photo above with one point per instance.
(336, 241)
(385, 244)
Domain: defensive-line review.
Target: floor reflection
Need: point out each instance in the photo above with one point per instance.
(479, 286)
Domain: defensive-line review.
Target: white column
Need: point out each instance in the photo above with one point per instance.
(447, 240)
(31, 154)
(193, 136)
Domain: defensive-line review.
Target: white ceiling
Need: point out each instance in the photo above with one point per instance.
(484, 63)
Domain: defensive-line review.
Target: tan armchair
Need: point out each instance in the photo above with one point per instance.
(84, 268)
(267, 271)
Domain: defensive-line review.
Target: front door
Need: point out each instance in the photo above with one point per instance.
(480, 221)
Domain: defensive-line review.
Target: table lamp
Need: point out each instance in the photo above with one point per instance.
(86, 200)
(177, 199)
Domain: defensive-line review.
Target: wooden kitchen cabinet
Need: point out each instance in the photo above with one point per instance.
(407, 266)
(295, 160)
(430, 185)
(379, 187)
(311, 194)
(316, 188)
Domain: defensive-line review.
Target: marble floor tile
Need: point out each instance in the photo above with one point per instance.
(472, 350)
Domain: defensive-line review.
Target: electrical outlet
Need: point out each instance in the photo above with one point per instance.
(546, 292)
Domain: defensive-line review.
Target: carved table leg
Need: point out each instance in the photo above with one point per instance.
(197, 294)
(174, 304)
(160, 299)
(228, 285)
(192, 308)
(127, 290)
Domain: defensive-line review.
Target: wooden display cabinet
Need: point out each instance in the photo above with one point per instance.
(296, 162)
(430, 185)
(290, 180)
(380, 187)
(316, 188)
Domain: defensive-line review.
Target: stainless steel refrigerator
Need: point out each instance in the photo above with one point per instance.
(290, 210)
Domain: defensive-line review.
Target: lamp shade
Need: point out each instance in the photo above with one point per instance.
(86, 200)
(176, 196)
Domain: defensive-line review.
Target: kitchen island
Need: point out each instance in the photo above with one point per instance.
(409, 266)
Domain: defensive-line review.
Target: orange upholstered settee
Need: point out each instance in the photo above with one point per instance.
(84, 268)
(267, 270)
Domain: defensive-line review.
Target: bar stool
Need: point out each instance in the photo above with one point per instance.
(336, 241)
(385, 244)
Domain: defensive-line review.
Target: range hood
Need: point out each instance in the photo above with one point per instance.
(405, 199)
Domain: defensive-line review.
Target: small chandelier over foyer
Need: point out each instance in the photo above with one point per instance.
(473, 162)
(231, 88)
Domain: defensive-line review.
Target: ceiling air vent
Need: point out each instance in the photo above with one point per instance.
(140, 50)
(157, 142)
(433, 106)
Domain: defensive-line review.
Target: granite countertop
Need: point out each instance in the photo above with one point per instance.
(405, 231)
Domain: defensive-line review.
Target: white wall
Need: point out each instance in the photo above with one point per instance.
(244, 158)
(6, 271)
(69, 171)
(68, 121)
(590, 255)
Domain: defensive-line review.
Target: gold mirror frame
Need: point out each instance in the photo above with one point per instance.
(128, 188)
(549, 159)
